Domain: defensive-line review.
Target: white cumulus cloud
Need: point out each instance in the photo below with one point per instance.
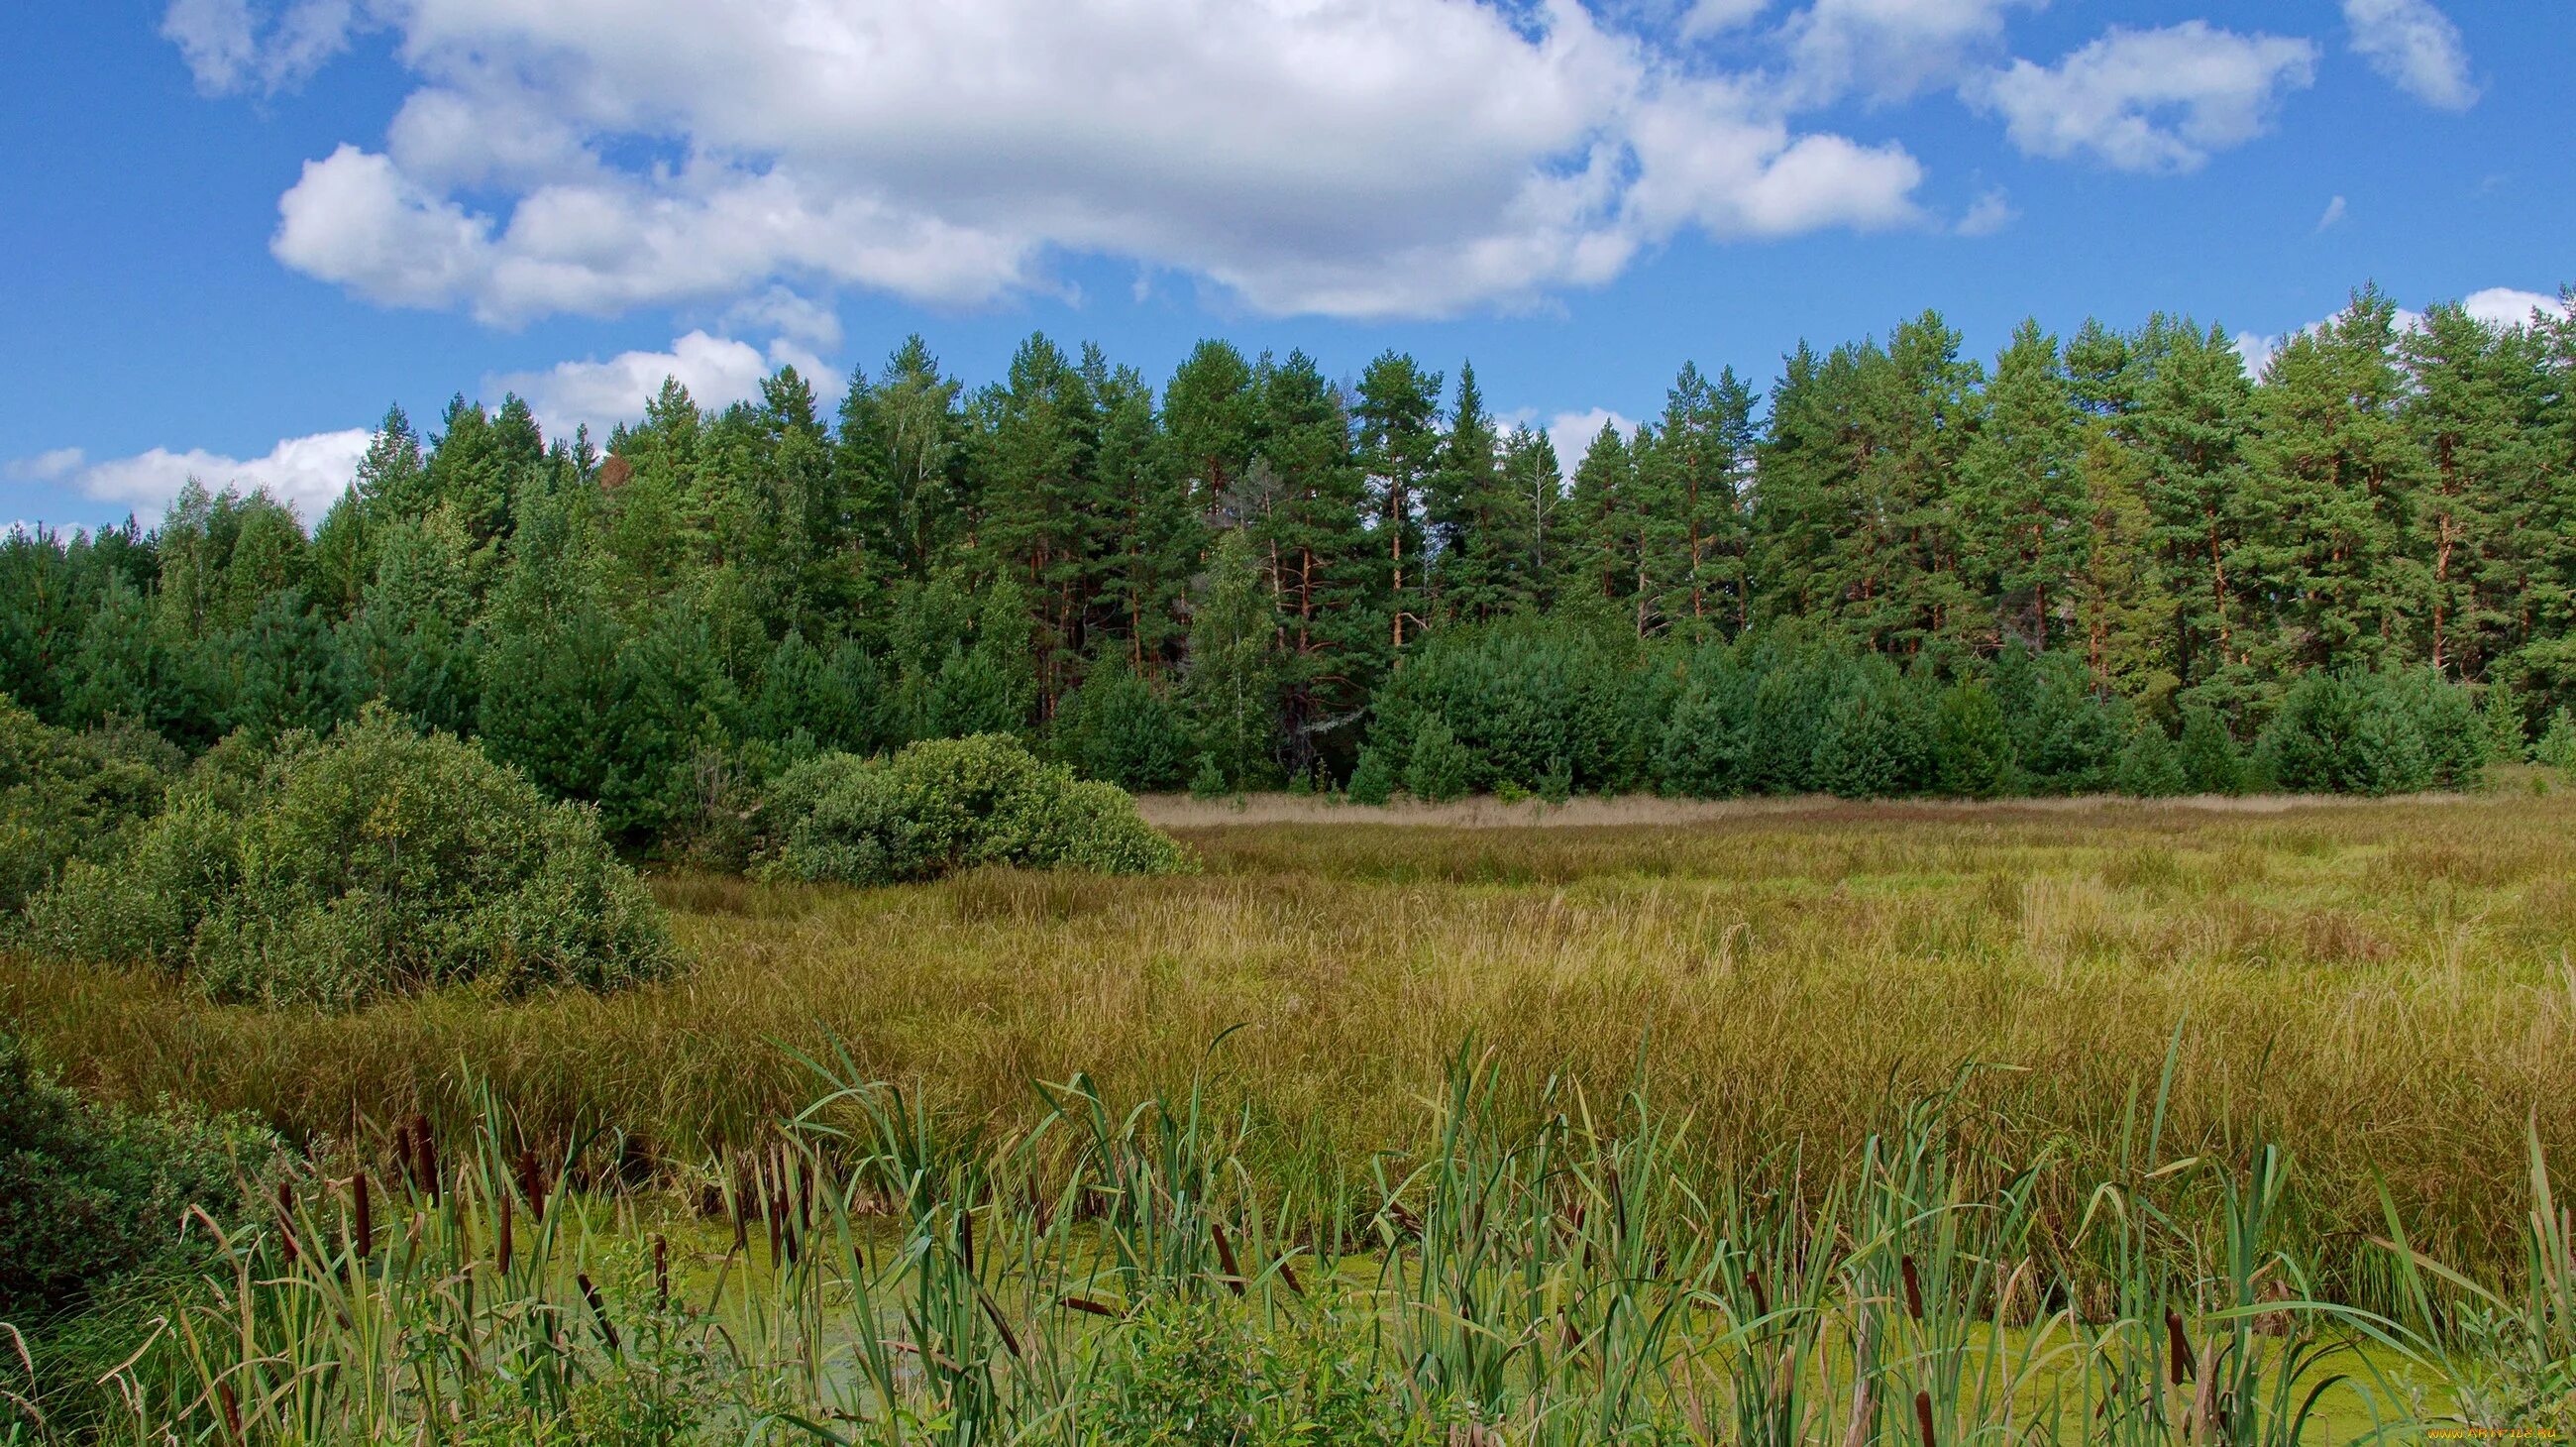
(1572, 434)
(718, 371)
(1355, 158)
(2150, 100)
(306, 473)
(2416, 47)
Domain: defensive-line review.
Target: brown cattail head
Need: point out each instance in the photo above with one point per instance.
(286, 1219)
(402, 1149)
(1225, 1258)
(532, 1184)
(1913, 1287)
(598, 1309)
(363, 1209)
(661, 1273)
(425, 1162)
(2181, 1345)
(1761, 1298)
(501, 1236)
(231, 1406)
(1923, 1419)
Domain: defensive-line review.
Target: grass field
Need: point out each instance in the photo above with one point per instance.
(2382, 989)
(1803, 1122)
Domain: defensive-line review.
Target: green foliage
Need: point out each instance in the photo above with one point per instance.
(1232, 687)
(1875, 742)
(1436, 768)
(2457, 740)
(1119, 729)
(2346, 733)
(90, 1194)
(1190, 1371)
(2557, 746)
(1707, 749)
(2150, 765)
(2211, 761)
(327, 871)
(1972, 746)
(2508, 738)
(1372, 779)
(949, 804)
(65, 796)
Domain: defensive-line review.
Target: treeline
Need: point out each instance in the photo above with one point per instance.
(1261, 576)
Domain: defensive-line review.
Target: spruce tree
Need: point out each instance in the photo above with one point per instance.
(1231, 688)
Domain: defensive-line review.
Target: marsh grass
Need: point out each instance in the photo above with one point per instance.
(1569, 1274)
(2384, 986)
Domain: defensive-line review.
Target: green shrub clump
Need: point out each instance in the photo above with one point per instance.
(66, 795)
(91, 1194)
(948, 804)
(331, 870)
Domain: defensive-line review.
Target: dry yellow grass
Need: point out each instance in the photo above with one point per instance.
(2383, 988)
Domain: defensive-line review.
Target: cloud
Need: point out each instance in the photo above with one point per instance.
(718, 371)
(1361, 158)
(306, 473)
(2149, 100)
(1571, 433)
(231, 47)
(2334, 213)
(1991, 212)
(2496, 306)
(2416, 47)
(1889, 50)
(2503, 306)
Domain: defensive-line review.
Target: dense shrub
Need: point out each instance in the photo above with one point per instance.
(1707, 748)
(2150, 767)
(65, 795)
(1118, 729)
(2349, 733)
(1440, 768)
(2558, 742)
(326, 871)
(89, 1194)
(1972, 746)
(949, 804)
(2211, 762)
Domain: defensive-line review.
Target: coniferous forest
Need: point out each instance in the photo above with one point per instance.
(2112, 561)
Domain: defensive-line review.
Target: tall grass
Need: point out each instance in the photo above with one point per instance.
(1108, 1276)
(2385, 986)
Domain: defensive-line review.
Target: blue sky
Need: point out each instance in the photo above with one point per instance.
(236, 231)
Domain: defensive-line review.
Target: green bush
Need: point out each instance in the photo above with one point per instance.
(1372, 781)
(89, 1194)
(67, 795)
(2211, 762)
(2346, 733)
(1972, 745)
(1440, 766)
(2558, 742)
(328, 871)
(2150, 766)
(1118, 729)
(948, 804)
(1194, 1372)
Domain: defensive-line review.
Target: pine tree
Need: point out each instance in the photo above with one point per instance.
(2150, 767)
(1467, 510)
(1232, 686)
(1973, 751)
(2211, 762)
(1398, 447)
(2023, 482)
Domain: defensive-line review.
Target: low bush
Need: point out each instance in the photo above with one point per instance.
(90, 1194)
(948, 804)
(66, 795)
(328, 871)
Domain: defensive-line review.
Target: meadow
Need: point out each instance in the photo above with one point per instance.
(2383, 990)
